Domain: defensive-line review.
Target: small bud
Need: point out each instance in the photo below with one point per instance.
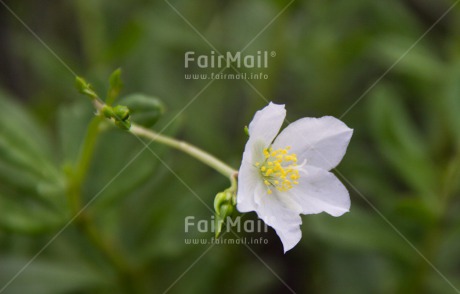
(246, 130)
(224, 207)
(80, 84)
(107, 111)
(123, 124)
(84, 88)
(226, 210)
(121, 112)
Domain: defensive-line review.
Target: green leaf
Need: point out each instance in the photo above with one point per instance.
(418, 62)
(145, 110)
(23, 132)
(72, 124)
(126, 40)
(450, 101)
(360, 230)
(26, 161)
(28, 216)
(401, 143)
(47, 277)
(115, 87)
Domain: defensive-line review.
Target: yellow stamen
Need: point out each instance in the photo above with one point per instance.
(279, 169)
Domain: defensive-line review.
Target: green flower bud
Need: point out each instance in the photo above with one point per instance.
(226, 210)
(84, 88)
(246, 130)
(145, 110)
(121, 112)
(224, 207)
(107, 111)
(123, 124)
(81, 84)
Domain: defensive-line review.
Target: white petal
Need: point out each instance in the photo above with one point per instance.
(253, 151)
(278, 214)
(248, 178)
(319, 190)
(262, 130)
(321, 141)
(266, 124)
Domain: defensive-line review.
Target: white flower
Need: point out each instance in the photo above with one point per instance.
(287, 175)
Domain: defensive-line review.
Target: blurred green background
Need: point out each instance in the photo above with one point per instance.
(402, 167)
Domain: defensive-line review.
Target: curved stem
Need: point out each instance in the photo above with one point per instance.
(85, 223)
(191, 150)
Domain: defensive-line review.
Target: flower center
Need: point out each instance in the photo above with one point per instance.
(279, 170)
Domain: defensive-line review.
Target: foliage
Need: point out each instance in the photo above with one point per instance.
(402, 167)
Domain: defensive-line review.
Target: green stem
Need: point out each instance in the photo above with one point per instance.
(84, 222)
(88, 149)
(83, 162)
(127, 276)
(191, 150)
(185, 147)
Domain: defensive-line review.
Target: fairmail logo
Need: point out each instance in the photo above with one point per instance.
(228, 59)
